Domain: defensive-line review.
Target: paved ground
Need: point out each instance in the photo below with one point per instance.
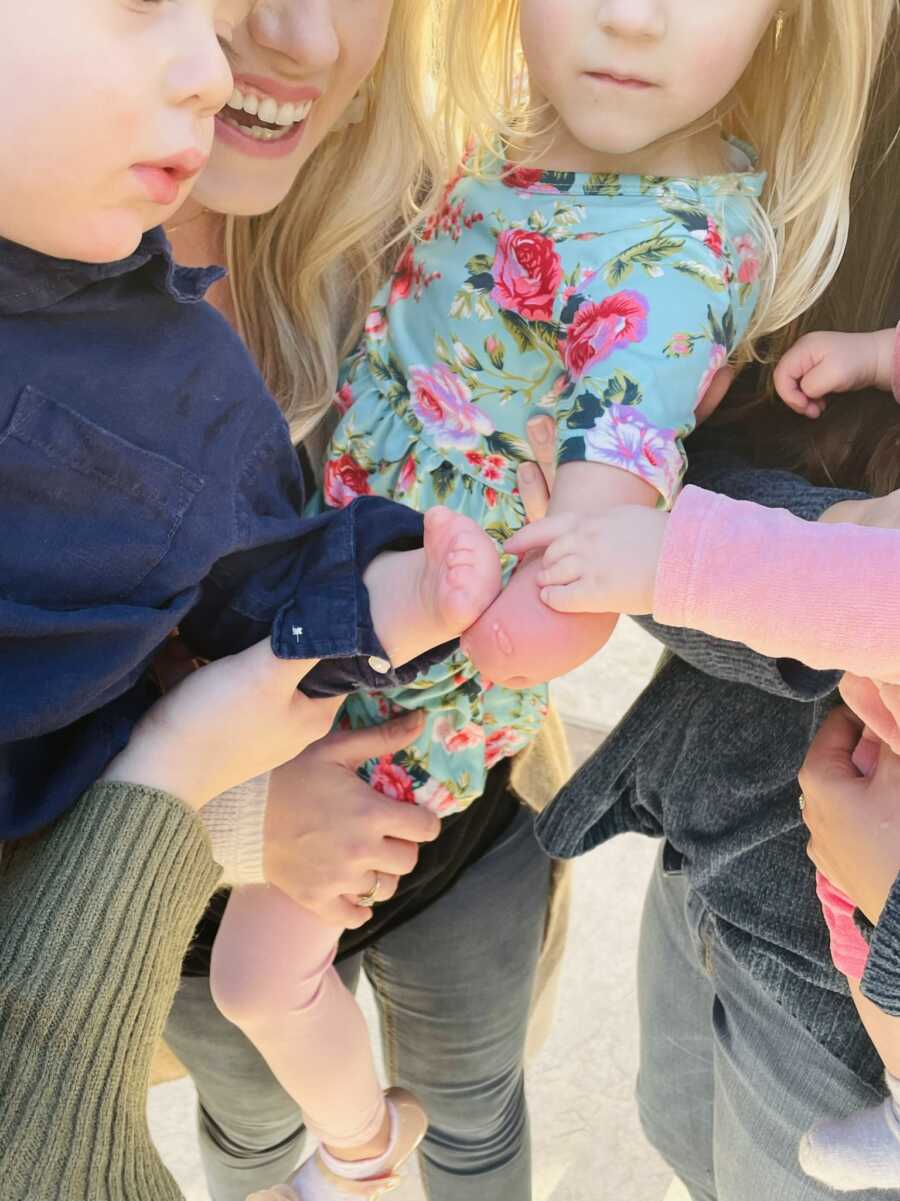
(588, 1145)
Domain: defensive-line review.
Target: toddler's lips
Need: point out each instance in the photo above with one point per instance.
(622, 81)
(163, 178)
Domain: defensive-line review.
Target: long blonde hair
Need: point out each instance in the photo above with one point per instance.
(303, 275)
(802, 103)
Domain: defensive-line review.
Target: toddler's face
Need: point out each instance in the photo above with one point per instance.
(624, 74)
(108, 116)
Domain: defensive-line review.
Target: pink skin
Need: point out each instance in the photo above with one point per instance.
(420, 599)
(521, 642)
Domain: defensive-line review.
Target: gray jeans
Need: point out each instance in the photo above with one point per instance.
(729, 1080)
(454, 987)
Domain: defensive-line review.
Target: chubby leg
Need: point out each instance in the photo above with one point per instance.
(272, 976)
(519, 641)
(422, 598)
(863, 1150)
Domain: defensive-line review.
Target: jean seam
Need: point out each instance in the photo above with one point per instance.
(388, 1026)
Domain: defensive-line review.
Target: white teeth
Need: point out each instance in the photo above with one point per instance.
(268, 110)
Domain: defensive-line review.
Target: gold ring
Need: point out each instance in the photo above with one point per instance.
(365, 899)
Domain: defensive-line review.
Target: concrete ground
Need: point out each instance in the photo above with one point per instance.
(587, 1141)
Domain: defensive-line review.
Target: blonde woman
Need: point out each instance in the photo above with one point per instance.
(452, 945)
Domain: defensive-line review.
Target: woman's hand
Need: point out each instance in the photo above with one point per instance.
(327, 832)
(853, 820)
(879, 512)
(535, 480)
(224, 724)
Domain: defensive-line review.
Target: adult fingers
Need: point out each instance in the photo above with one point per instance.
(405, 823)
(533, 491)
(876, 705)
(352, 747)
(541, 434)
(831, 755)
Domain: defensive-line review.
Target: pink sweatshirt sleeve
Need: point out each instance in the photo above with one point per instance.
(827, 595)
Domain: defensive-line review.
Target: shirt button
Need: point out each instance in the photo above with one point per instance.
(382, 666)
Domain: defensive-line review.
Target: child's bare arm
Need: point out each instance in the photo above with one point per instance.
(825, 362)
(521, 641)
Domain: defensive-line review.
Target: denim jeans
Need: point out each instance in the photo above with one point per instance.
(454, 986)
(729, 1079)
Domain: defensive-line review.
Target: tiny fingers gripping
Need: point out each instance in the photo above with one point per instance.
(568, 598)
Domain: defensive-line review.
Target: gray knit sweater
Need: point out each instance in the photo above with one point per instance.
(708, 758)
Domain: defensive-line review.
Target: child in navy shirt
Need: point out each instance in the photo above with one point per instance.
(147, 478)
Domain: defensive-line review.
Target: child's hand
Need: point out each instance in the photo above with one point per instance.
(822, 363)
(604, 564)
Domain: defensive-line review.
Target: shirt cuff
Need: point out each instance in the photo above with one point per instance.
(881, 980)
(234, 822)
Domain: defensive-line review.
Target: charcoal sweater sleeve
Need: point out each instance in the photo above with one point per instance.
(726, 473)
(881, 980)
(96, 914)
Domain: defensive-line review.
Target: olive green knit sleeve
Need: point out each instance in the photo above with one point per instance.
(96, 914)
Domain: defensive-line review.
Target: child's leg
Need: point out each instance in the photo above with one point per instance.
(863, 1150)
(520, 641)
(272, 976)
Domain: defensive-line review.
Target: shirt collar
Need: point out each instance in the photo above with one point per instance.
(30, 281)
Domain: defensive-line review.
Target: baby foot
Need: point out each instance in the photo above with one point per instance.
(422, 598)
(858, 1152)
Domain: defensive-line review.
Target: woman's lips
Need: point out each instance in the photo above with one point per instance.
(232, 135)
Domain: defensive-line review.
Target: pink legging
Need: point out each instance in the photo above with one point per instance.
(272, 975)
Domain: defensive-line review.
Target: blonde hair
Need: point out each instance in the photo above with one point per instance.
(802, 104)
(304, 275)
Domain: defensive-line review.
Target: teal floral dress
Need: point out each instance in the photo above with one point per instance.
(608, 302)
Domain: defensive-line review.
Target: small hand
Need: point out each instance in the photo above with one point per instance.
(877, 705)
(326, 831)
(603, 564)
(853, 820)
(822, 363)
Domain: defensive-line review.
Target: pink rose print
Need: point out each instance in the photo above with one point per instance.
(392, 780)
(343, 399)
(710, 237)
(748, 272)
(452, 739)
(443, 404)
(344, 481)
(680, 345)
(404, 272)
(437, 797)
(502, 744)
(598, 329)
(376, 325)
(718, 357)
(623, 438)
(407, 476)
(521, 178)
(490, 498)
(527, 273)
(490, 467)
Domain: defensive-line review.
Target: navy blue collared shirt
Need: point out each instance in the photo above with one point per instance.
(148, 481)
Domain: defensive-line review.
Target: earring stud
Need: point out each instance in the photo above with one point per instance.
(780, 17)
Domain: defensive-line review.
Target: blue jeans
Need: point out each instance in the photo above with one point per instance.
(454, 987)
(729, 1080)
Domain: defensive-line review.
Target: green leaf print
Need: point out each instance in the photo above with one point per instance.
(548, 332)
(711, 279)
(605, 183)
(443, 351)
(649, 183)
(509, 445)
(518, 327)
(379, 368)
(573, 451)
(461, 306)
(563, 181)
(537, 221)
(443, 479)
(692, 216)
(621, 389)
(479, 264)
(643, 254)
(583, 416)
(721, 333)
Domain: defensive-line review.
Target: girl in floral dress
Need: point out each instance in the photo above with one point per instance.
(608, 248)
